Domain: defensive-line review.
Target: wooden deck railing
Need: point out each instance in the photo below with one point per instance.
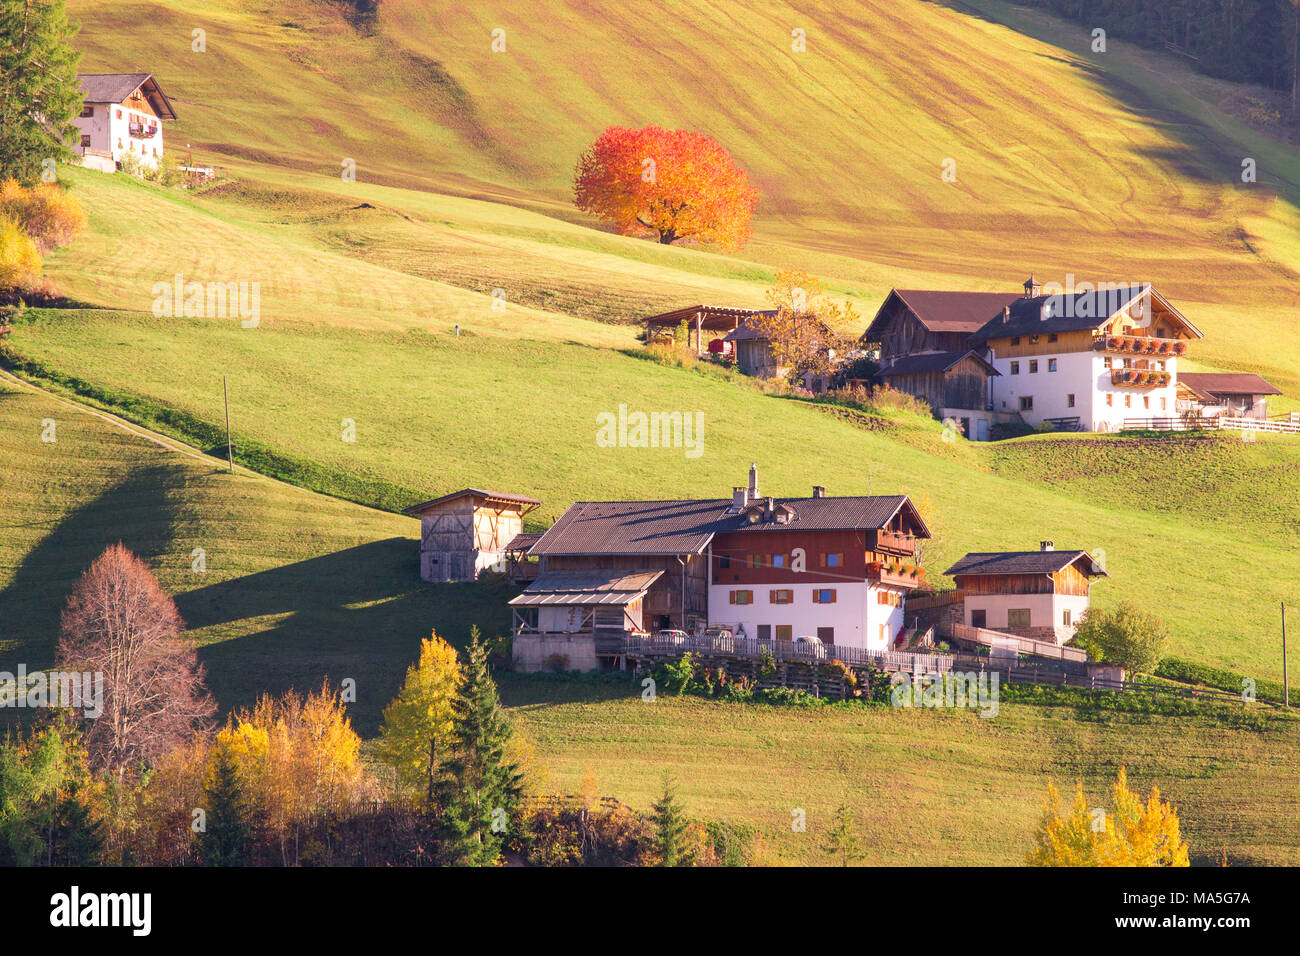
(1022, 645)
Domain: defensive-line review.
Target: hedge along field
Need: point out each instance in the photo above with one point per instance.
(436, 412)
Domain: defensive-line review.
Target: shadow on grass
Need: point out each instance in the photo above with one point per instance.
(1199, 152)
(356, 614)
(133, 512)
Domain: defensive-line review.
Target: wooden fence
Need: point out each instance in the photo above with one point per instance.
(792, 651)
(1285, 425)
(1022, 645)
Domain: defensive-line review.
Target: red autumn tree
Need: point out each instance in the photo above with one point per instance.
(118, 622)
(675, 184)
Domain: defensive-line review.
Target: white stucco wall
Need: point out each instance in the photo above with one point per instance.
(856, 615)
(1045, 610)
(1084, 375)
(112, 134)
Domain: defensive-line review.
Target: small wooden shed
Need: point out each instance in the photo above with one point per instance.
(468, 531)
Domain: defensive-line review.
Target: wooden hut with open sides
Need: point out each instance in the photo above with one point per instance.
(468, 531)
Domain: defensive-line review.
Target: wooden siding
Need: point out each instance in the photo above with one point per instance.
(1065, 342)
(904, 334)
(664, 598)
(1069, 580)
(456, 535)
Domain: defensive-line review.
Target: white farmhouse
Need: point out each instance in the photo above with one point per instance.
(122, 116)
(1092, 359)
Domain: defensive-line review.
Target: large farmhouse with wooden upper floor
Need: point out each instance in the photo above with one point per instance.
(122, 115)
(833, 568)
(1080, 359)
(1087, 359)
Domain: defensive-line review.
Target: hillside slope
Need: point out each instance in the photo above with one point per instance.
(1111, 167)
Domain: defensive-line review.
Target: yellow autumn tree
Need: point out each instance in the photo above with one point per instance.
(300, 761)
(1132, 833)
(805, 332)
(417, 723)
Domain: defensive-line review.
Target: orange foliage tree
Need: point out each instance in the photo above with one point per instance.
(805, 331)
(675, 184)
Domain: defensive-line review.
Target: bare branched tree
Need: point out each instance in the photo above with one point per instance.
(118, 622)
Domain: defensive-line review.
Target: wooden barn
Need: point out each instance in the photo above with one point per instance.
(468, 531)
(946, 380)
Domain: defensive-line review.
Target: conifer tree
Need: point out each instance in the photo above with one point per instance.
(479, 788)
(225, 841)
(842, 841)
(39, 92)
(670, 826)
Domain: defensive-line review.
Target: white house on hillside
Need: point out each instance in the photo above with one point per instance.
(1092, 359)
(122, 116)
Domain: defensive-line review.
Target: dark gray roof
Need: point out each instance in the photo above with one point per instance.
(829, 514)
(1023, 562)
(632, 527)
(586, 587)
(687, 527)
(1068, 312)
(1209, 384)
(926, 362)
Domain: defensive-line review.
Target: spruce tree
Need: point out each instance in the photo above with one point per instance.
(842, 843)
(225, 842)
(670, 826)
(479, 788)
(39, 92)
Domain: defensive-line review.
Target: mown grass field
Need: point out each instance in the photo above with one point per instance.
(928, 787)
(1117, 166)
(293, 587)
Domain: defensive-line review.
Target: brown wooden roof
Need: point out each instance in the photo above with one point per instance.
(497, 496)
(713, 317)
(1209, 384)
(942, 311)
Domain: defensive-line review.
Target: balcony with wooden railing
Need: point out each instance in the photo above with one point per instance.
(1139, 378)
(896, 541)
(896, 573)
(142, 131)
(1139, 345)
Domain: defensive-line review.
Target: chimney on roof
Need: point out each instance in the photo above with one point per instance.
(1032, 287)
(1006, 314)
(769, 510)
(819, 491)
(753, 481)
(1047, 546)
(739, 499)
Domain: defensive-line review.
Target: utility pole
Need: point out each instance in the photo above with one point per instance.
(1286, 683)
(230, 452)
